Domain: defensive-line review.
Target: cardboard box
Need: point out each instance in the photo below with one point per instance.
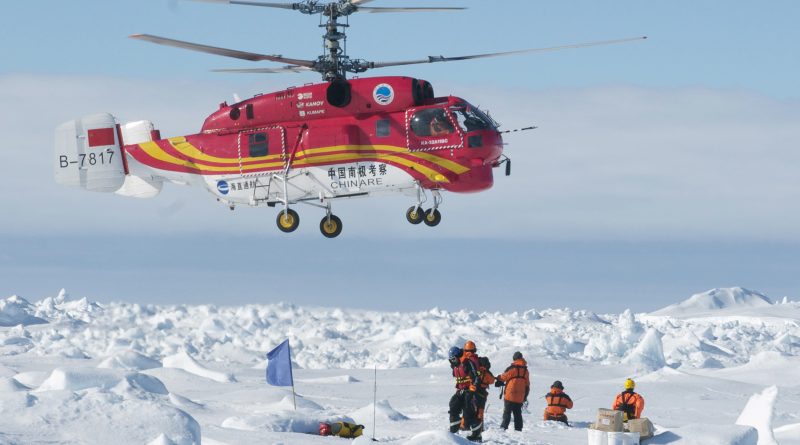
(642, 426)
(609, 420)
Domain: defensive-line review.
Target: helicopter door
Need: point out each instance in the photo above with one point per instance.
(259, 149)
(433, 129)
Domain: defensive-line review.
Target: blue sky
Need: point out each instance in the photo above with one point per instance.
(661, 168)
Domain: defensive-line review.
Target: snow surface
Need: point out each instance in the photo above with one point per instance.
(74, 371)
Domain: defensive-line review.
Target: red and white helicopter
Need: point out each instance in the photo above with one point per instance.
(312, 144)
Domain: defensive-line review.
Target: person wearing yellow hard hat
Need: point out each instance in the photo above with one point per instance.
(629, 402)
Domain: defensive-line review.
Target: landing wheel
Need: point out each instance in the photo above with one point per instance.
(432, 217)
(288, 221)
(415, 215)
(330, 226)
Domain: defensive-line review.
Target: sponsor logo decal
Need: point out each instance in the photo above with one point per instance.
(223, 187)
(383, 94)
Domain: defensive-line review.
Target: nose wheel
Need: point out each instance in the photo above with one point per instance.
(432, 217)
(415, 215)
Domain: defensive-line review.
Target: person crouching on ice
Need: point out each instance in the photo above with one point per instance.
(465, 371)
(517, 386)
(629, 402)
(558, 402)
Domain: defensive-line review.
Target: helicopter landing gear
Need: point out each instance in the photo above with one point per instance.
(414, 215)
(288, 220)
(432, 216)
(331, 225)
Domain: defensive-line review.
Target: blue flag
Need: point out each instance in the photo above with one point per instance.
(279, 368)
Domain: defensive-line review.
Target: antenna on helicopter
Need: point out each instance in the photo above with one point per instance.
(335, 63)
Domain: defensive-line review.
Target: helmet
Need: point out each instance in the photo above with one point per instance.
(469, 346)
(517, 355)
(454, 353)
(324, 429)
(630, 384)
(557, 384)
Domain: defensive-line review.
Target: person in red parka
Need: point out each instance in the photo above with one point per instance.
(517, 386)
(558, 402)
(465, 370)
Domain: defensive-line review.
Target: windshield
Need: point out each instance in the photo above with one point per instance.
(470, 118)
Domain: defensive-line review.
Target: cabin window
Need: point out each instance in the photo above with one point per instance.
(382, 128)
(257, 142)
(431, 122)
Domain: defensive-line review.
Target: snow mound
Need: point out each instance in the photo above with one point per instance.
(286, 422)
(162, 439)
(759, 412)
(129, 360)
(648, 354)
(339, 379)
(8, 384)
(788, 433)
(437, 438)
(64, 307)
(383, 411)
(288, 403)
(184, 361)
(707, 434)
(84, 378)
(716, 300)
(16, 310)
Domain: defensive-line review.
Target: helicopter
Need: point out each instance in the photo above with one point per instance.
(313, 144)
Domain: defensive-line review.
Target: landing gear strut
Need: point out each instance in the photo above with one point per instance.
(432, 217)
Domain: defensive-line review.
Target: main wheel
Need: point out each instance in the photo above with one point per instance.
(331, 226)
(432, 217)
(414, 215)
(288, 221)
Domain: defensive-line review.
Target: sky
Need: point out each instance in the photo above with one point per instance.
(659, 169)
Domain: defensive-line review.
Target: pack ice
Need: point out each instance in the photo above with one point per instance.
(717, 368)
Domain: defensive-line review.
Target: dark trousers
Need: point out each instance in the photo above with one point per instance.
(512, 407)
(463, 402)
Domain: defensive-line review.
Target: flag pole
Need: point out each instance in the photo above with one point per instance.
(374, 402)
(294, 398)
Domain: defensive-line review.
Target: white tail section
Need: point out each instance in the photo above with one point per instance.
(88, 154)
(136, 186)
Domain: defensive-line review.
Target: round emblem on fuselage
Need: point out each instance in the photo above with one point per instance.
(383, 94)
(223, 187)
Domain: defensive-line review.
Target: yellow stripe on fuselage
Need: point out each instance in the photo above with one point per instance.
(309, 157)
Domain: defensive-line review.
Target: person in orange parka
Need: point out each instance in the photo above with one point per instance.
(517, 382)
(629, 402)
(558, 402)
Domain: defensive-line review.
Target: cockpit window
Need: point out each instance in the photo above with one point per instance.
(431, 122)
(470, 119)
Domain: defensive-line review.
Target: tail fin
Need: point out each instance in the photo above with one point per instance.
(88, 154)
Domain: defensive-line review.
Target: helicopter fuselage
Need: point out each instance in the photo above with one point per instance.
(330, 140)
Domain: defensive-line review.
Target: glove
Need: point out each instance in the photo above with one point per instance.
(498, 383)
(525, 404)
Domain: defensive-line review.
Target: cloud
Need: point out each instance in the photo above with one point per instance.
(608, 162)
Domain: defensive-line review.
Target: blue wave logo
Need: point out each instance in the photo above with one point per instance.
(223, 187)
(383, 94)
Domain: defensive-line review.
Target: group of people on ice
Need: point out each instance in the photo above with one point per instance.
(473, 377)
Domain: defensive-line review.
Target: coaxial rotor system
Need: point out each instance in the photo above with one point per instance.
(335, 63)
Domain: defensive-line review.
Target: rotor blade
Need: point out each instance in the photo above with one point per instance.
(237, 2)
(358, 2)
(286, 69)
(433, 59)
(423, 9)
(221, 51)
